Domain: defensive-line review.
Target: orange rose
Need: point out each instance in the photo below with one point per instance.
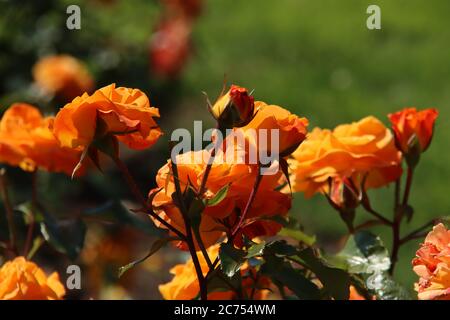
(26, 140)
(184, 285)
(355, 295)
(234, 109)
(239, 177)
(432, 265)
(291, 129)
(352, 150)
(63, 75)
(24, 280)
(123, 112)
(410, 125)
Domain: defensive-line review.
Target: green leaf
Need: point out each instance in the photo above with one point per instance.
(195, 211)
(158, 244)
(219, 282)
(195, 208)
(66, 236)
(298, 235)
(29, 215)
(231, 259)
(365, 255)
(256, 250)
(335, 281)
(283, 273)
(37, 243)
(218, 197)
(386, 288)
(281, 248)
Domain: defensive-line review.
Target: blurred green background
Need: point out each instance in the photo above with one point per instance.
(316, 58)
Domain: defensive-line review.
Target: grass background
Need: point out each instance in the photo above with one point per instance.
(316, 58)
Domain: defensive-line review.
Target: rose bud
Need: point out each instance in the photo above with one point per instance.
(413, 131)
(234, 109)
(344, 194)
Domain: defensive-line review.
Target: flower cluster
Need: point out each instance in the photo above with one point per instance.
(223, 217)
(230, 216)
(344, 162)
(356, 151)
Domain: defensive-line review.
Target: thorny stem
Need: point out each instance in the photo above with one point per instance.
(408, 186)
(9, 211)
(241, 220)
(34, 204)
(189, 236)
(138, 195)
(397, 194)
(419, 232)
(249, 203)
(398, 216)
(395, 246)
(377, 215)
(203, 249)
(207, 171)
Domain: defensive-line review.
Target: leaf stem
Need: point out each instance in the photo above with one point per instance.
(34, 205)
(189, 236)
(249, 203)
(12, 246)
(398, 216)
(377, 215)
(140, 198)
(409, 179)
(207, 171)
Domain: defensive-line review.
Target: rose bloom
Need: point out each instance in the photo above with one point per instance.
(240, 178)
(63, 75)
(409, 123)
(24, 280)
(170, 46)
(184, 285)
(351, 150)
(125, 112)
(26, 140)
(432, 265)
(292, 129)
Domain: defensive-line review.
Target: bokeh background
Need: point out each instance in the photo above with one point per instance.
(316, 58)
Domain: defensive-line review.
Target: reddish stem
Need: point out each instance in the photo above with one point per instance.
(138, 195)
(9, 212)
(249, 203)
